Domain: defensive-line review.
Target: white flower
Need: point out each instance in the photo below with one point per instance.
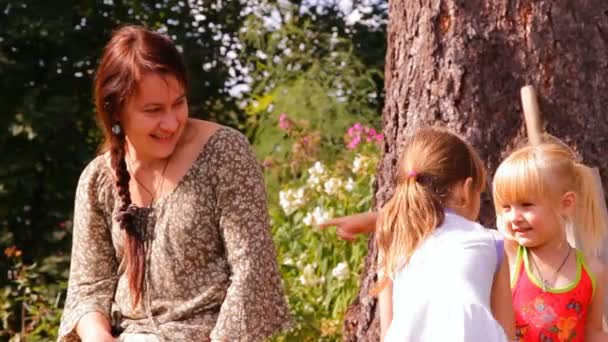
(315, 174)
(340, 272)
(350, 184)
(315, 217)
(291, 200)
(332, 185)
(320, 215)
(288, 262)
(261, 54)
(317, 169)
(313, 180)
(309, 270)
(307, 219)
(359, 163)
(308, 277)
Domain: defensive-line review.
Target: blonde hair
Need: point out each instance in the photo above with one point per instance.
(433, 161)
(546, 172)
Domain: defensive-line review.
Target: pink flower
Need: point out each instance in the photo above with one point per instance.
(284, 122)
(357, 134)
(354, 142)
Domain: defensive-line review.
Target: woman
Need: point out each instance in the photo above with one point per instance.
(171, 238)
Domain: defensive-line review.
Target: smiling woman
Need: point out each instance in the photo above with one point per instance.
(157, 117)
(171, 238)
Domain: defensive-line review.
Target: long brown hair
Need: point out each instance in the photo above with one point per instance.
(546, 172)
(131, 52)
(433, 161)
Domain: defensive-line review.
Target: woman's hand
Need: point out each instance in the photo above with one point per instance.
(94, 327)
(348, 227)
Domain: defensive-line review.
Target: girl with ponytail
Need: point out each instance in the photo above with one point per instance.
(448, 279)
(544, 198)
(171, 239)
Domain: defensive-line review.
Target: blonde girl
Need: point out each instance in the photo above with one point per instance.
(543, 195)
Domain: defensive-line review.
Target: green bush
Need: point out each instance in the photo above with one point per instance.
(33, 298)
(320, 271)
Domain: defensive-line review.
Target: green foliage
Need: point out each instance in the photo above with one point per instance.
(309, 75)
(312, 76)
(36, 293)
(320, 271)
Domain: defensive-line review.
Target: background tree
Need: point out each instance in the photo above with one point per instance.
(462, 64)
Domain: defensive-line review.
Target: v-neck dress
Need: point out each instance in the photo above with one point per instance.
(211, 267)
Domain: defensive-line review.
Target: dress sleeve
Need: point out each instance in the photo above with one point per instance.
(255, 305)
(93, 263)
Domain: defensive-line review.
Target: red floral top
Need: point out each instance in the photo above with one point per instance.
(557, 315)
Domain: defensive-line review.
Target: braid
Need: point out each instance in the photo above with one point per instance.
(135, 253)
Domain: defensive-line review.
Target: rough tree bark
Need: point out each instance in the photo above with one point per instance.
(461, 63)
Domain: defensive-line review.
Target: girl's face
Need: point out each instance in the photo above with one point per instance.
(154, 118)
(532, 223)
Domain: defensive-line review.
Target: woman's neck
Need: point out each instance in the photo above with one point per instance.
(138, 161)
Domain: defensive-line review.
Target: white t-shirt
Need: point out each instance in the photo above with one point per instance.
(443, 293)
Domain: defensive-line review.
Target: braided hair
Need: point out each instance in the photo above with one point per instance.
(131, 52)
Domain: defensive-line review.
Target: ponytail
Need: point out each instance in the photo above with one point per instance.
(404, 222)
(591, 219)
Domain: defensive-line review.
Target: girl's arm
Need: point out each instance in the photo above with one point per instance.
(594, 331)
(501, 300)
(385, 303)
(348, 227)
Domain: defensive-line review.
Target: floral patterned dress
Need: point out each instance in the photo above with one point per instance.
(554, 315)
(211, 269)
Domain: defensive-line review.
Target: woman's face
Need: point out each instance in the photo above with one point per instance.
(154, 118)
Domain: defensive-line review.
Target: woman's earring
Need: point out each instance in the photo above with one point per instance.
(116, 130)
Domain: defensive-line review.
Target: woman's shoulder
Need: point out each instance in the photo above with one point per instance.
(97, 171)
(212, 137)
(96, 181)
(221, 150)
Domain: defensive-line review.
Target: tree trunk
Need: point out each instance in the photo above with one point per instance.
(461, 63)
